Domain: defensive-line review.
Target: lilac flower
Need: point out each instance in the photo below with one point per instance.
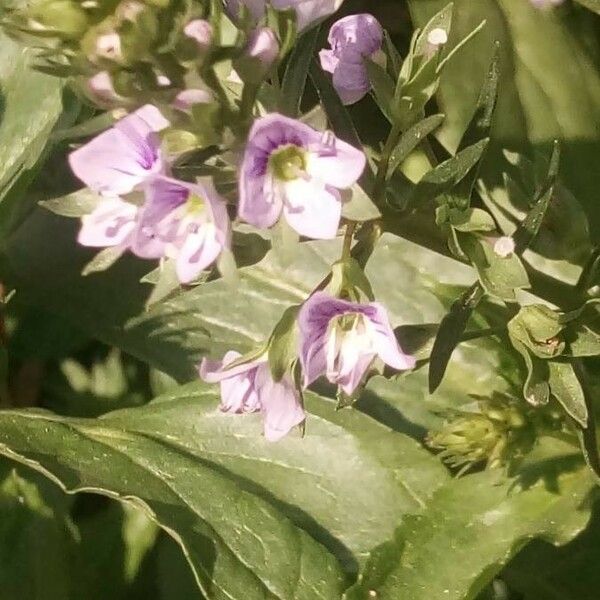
(250, 388)
(186, 99)
(259, 55)
(290, 167)
(352, 39)
(125, 156)
(307, 11)
(100, 89)
(341, 339)
(186, 222)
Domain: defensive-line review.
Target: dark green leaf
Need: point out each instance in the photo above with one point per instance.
(565, 387)
(448, 336)
(294, 78)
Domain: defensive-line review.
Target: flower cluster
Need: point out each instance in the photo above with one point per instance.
(285, 170)
(338, 339)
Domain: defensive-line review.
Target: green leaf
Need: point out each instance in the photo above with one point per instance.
(468, 531)
(500, 276)
(549, 84)
(411, 139)
(78, 204)
(359, 207)
(565, 387)
(338, 115)
(451, 330)
(283, 345)
(247, 512)
(105, 259)
(470, 220)
(31, 107)
(593, 5)
(382, 87)
(296, 72)
(448, 174)
(530, 226)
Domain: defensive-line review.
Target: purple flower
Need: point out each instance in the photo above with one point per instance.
(259, 55)
(352, 39)
(183, 221)
(100, 89)
(250, 388)
(307, 11)
(186, 99)
(125, 156)
(290, 167)
(341, 339)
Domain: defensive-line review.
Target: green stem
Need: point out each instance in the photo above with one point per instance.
(347, 247)
(247, 102)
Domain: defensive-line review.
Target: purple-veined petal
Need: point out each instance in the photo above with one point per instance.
(351, 81)
(362, 32)
(340, 167)
(312, 209)
(385, 341)
(121, 158)
(260, 201)
(110, 224)
(329, 61)
(199, 250)
(350, 378)
(280, 402)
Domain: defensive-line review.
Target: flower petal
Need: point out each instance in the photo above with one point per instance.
(110, 224)
(385, 341)
(200, 249)
(340, 167)
(280, 402)
(119, 159)
(312, 209)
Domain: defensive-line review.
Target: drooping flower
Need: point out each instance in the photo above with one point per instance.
(307, 11)
(201, 32)
(352, 39)
(291, 168)
(123, 157)
(250, 388)
(183, 221)
(341, 339)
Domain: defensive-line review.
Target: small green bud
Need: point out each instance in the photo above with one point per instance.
(64, 17)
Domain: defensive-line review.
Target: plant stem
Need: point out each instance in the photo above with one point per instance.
(347, 247)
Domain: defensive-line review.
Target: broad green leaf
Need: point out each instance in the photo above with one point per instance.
(359, 207)
(77, 204)
(469, 530)
(204, 475)
(31, 107)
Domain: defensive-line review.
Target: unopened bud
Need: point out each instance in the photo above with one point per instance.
(259, 56)
(201, 32)
(63, 17)
(504, 247)
(108, 45)
(437, 37)
(100, 89)
(186, 99)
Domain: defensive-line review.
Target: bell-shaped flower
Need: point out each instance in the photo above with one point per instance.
(352, 39)
(341, 339)
(307, 11)
(183, 221)
(291, 168)
(123, 157)
(250, 388)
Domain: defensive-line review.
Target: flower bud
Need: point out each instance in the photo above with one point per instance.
(201, 32)
(186, 99)
(504, 246)
(63, 17)
(259, 56)
(108, 46)
(99, 88)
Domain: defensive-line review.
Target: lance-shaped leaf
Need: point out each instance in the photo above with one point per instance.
(411, 139)
(296, 73)
(450, 332)
(530, 226)
(283, 345)
(565, 387)
(382, 88)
